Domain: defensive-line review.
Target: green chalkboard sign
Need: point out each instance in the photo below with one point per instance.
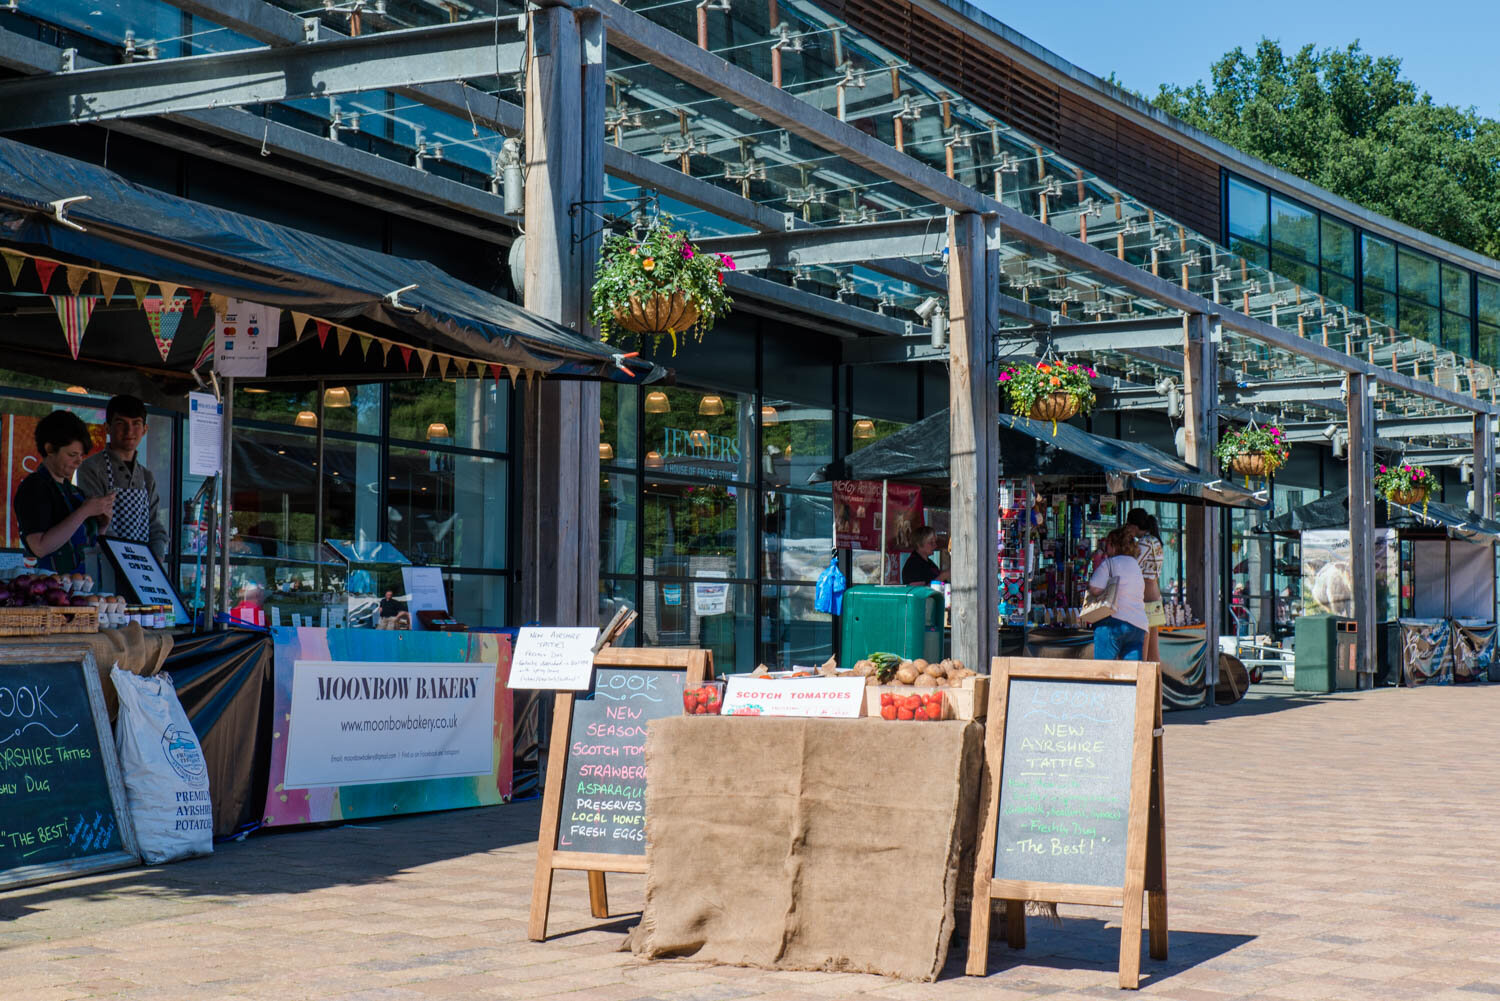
(62, 801)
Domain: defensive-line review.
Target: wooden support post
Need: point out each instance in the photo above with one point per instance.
(973, 402)
(1201, 378)
(1361, 414)
(1484, 466)
(565, 90)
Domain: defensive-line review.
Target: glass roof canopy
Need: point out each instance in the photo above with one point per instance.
(814, 56)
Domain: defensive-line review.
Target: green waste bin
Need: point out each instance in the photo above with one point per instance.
(1317, 647)
(907, 621)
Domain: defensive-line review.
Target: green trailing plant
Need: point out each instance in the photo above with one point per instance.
(662, 261)
(1268, 442)
(1402, 479)
(1027, 385)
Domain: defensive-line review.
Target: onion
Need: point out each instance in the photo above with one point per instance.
(38, 588)
(4, 595)
(57, 597)
(79, 601)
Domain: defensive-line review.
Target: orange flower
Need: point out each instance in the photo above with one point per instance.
(649, 264)
(1043, 367)
(1054, 381)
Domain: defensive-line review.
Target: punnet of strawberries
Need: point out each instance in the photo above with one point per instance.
(919, 708)
(703, 700)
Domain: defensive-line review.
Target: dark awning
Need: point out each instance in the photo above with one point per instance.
(134, 230)
(920, 453)
(1332, 512)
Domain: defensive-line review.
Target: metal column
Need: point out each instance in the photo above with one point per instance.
(973, 403)
(1200, 376)
(1361, 410)
(1484, 466)
(226, 493)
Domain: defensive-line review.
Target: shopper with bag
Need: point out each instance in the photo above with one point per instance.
(1117, 593)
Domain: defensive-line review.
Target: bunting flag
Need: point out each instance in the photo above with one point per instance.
(425, 357)
(140, 287)
(385, 352)
(168, 292)
(514, 372)
(443, 361)
(495, 372)
(195, 296)
(108, 282)
(13, 264)
(45, 269)
(463, 366)
(299, 324)
(205, 353)
(323, 329)
(164, 316)
(73, 311)
(364, 346)
(219, 304)
(406, 356)
(75, 277)
(342, 336)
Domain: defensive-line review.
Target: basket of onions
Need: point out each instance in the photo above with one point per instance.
(40, 604)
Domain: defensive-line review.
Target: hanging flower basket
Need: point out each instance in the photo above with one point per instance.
(1254, 452)
(658, 285)
(1410, 498)
(1405, 484)
(1051, 390)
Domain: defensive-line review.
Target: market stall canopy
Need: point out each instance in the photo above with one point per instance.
(1332, 512)
(125, 229)
(920, 454)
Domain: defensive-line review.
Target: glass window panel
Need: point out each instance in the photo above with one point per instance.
(1338, 288)
(618, 517)
(1456, 332)
(794, 633)
(1338, 247)
(351, 490)
(1251, 252)
(1287, 267)
(275, 484)
(1419, 276)
(18, 420)
(351, 409)
(690, 529)
(1379, 263)
(1489, 301)
(448, 509)
(795, 442)
(468, 413)
(1294, 230)
(618, 424)
(1247, 211)
(478, 599)
(886, 390)
(1489, 344)
(1416, 320)
(273, 406)
(796, 535)
(796, 373)
(616, 593)
(1380, 306)
(1456, 289)
(704, 434)
(675, 613)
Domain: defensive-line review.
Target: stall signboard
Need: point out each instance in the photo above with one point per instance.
(62, 801)
(424, 591)
(148, 582)
(857, 507)
(379, 722)
(1327, 584)
(593, 808)
(205, 435)
(244, 334)
(554, 657)
(1072, 793)
(821, 698)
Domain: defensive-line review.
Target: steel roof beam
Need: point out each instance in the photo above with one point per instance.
(775, 299)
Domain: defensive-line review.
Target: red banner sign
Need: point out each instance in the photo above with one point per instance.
(857, 509)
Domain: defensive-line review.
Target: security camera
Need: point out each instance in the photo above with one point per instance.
(925, 308)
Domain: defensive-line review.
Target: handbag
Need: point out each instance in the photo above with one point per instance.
(1100, 608)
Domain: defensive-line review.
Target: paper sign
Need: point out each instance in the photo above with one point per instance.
(424, 592)
(205, 435)
(556, 657)
(824, 698)
(711, 599)
(244, 333)
(147, 580)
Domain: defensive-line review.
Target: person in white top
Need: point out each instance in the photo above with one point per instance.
(1122, 636)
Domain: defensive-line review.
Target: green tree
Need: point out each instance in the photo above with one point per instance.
(1349, 122)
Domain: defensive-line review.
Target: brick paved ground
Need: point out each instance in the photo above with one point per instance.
(1343, 847)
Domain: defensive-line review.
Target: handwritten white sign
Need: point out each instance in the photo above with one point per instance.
(555, 657)
(205, 435)
(825, 698)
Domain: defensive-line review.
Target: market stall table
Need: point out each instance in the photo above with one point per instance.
(137, 650)
(811, 845)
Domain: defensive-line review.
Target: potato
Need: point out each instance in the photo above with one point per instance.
(959, 664)
(936, 671)
(926, 681)
(871, 681)
(864, 668)
(906, 674)
(920, 665)
(832, 662)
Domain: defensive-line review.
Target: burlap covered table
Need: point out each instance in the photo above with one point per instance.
(808, 844)
(137, 650)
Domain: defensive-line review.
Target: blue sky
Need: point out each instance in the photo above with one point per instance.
(1442, 44)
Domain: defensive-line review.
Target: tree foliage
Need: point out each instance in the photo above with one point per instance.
(1349, 122)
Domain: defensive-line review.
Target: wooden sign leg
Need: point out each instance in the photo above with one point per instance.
(1156, 848)
(1015, 924)
(546, 840)
(598, 895)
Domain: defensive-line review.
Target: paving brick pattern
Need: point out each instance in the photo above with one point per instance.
(1342, 847)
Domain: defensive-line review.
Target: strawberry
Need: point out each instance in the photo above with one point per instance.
(912, 702)
(904, 713)
(887, 699)
(689, 701)
(921, 714)
(700, 711)
(888, 712)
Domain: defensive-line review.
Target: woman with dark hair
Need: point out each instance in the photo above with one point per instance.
(59, 525)
(1123, 634)
(1150, 552)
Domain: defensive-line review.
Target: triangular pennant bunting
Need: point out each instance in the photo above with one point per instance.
(495, 372)
(108, 282)
(164, 316)
(299, 323)
(73, 312)
(406, 357)
(343, 338)
(323, 329)
(385, 352)
(364, 346)
(140, 287)
(13, 264)
(514, 371)
(195, 296)
(463, 366)
(425, 357)
(75, 278)
(205, 353)
(219, 304)
(168, 292)
(45, 269)
(443, 362)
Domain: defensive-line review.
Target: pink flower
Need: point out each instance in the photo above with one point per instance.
(1004, 376)
(1420, 473)
(1093, 374)
(687, 252)
(1382, 469)
(1072, 368)
(1406, 469)
(727, 261)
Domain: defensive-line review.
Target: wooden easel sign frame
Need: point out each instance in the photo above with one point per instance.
(552, 852)
(1058, 785)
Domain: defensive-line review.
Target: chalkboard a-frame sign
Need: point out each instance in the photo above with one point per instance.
(62, 798)
(1071, 800)
(593, 806)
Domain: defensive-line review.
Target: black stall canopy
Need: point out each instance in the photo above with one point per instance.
(1435, 519)
(92, 234)
(919, 454)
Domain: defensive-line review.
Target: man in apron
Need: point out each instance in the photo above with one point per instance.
(137, 515)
